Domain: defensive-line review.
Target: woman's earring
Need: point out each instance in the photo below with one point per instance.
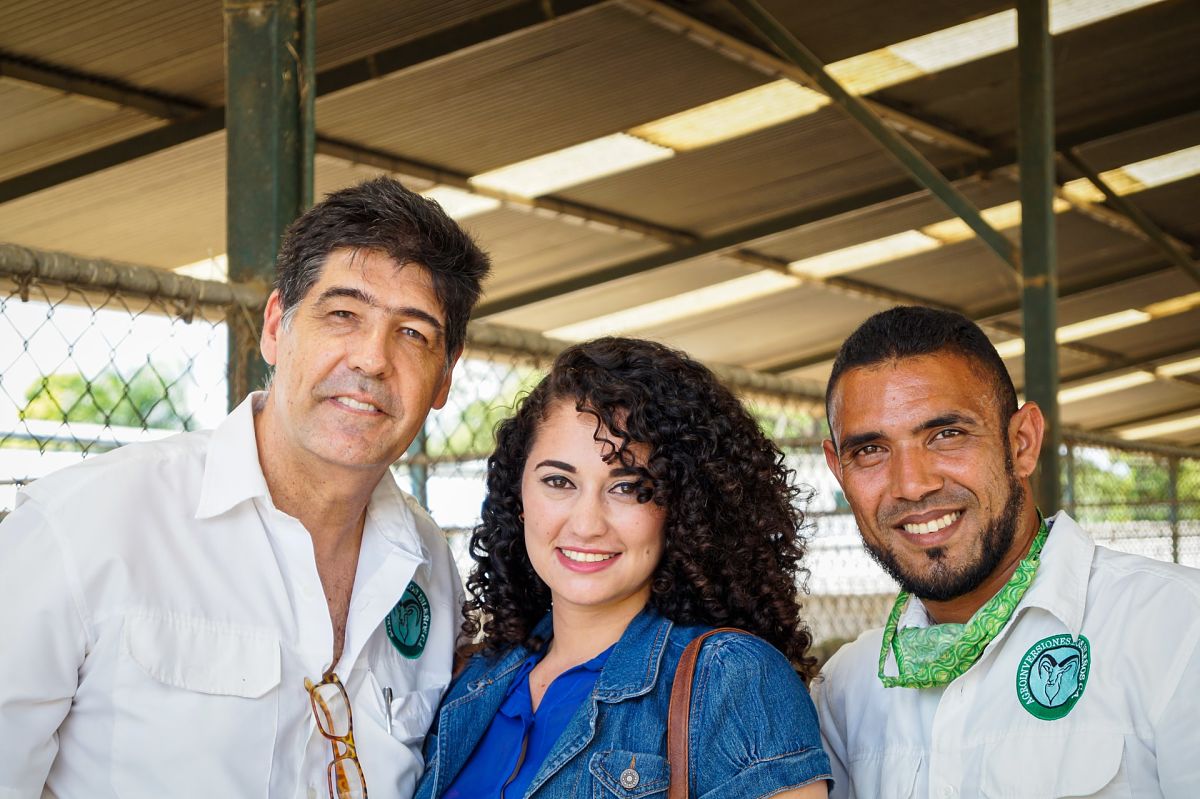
(521, 517)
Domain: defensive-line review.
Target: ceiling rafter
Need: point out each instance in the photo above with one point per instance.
(738, 241)
(993, 317)
(201, 121)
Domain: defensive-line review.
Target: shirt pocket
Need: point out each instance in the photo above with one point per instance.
(885, 775)
(411, 712)
(628, 775)
(1074, 762)
(196, 708)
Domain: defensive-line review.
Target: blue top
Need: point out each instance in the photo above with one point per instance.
(496, 757)
(752, 732)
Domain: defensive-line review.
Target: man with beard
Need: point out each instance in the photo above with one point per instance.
(256, 610)
(1020, 659)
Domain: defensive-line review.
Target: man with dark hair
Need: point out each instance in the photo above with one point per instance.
(257, 610)
(1020, 659)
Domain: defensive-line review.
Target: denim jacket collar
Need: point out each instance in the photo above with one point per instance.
(632, 670)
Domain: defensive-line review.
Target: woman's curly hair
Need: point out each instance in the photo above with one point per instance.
(732, 552)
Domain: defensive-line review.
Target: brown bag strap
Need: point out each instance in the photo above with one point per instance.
(680, 711)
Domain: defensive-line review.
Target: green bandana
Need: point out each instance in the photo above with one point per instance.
(927, 657)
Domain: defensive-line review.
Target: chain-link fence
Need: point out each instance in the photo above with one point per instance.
(94, 355)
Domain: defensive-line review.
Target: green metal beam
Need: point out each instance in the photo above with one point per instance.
(1165, 244)
(114, 92)
(741, 51)
(1150, 418)
(516, 17)
(1039, 294)
(488, 27)
(115, 154)
(1144, 361)
(859, 203)
(990, 316)
(269, 141)
(925, 173)
(723, 243)
(544, 205)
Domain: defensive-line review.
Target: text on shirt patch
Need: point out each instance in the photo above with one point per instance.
(408, 622)
(1052, 675)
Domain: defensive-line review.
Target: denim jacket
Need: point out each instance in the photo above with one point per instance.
(752, 733)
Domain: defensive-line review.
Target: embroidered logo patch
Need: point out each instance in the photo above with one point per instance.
(407, 624)
(1052, 675)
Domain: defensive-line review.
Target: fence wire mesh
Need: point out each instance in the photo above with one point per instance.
(84, 369)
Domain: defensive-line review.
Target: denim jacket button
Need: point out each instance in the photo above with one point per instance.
(629, 779)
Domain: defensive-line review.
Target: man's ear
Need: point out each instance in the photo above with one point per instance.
(443, 392)
(1025, 431)
(268, 343)
(832, 460)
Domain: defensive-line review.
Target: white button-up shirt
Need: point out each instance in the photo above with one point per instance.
(158, 616)
(1134, 731)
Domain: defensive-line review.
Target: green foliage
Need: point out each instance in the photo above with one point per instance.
(1114, 486)
(146, 399)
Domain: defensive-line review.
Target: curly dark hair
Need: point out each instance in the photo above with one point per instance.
(733, 548)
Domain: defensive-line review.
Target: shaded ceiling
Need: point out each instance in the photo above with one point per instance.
(112, 147)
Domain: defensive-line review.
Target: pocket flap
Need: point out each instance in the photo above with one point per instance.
(1093, 763)
(204, 656)
(630, 774)
(1085, 762)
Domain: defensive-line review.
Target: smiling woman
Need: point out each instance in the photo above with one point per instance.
(633, 505)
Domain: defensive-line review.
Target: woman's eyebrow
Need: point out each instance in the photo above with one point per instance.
(566, 467)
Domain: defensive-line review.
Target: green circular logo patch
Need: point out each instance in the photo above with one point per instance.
(407, 624)
(1052, 675)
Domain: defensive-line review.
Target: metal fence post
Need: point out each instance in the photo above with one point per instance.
(269, 140)
(1069, 495)
(1038, 259)
(1173, 506)
(418, 472)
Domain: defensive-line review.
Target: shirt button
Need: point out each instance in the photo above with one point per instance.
(629, 779)
(948, 791)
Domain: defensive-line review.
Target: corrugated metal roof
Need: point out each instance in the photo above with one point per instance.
(611, 297)
(588, 75)
(41, 126)
(608, 69)
(530, 250)
(1116, 66)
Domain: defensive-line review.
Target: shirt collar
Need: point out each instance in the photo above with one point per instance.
(391, 514)
(632, 668)
(1061, 582)
(232, 473)
(1059, 585)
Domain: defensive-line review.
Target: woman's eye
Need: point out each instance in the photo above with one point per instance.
(627, 488)
(557, 481)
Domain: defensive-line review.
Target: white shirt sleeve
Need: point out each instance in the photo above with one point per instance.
(831, 738)
(1176, 734)
(44, 640)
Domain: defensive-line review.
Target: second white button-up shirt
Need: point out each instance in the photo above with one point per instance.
(158, 616)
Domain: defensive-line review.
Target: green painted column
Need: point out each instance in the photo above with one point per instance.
(269, 140)
(418, 470)
(1039, 268)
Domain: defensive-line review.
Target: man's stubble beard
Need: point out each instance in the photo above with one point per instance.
(942, 583)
